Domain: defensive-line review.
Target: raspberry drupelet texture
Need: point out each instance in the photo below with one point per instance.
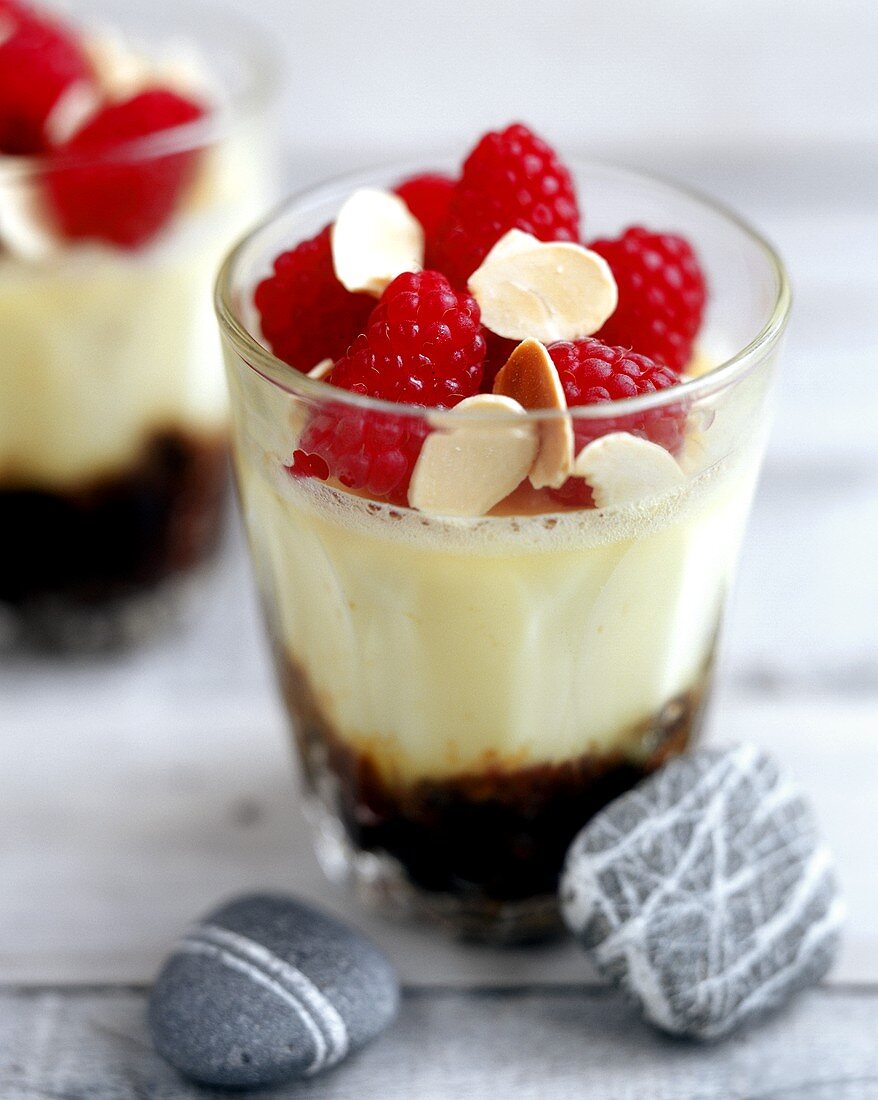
(592, 373)
(99, 190)
(423, 345)
(306, 314)
(511, 180)
(39, 61)
(661, 295)
(428, 196)
(365, 450)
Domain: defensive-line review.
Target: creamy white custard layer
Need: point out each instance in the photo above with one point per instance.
(442, 646)
(102, 348)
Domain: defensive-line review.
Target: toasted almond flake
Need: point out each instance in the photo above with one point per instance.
(122, 71)
(511, 243)
(697, 452)
(550, 290)
(75, 105)
(321, 370)
(530, 377)
(25, 225)
(375, 238)
(622, 468)
(694, 456)
(467, 468)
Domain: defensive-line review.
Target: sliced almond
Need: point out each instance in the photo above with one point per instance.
(622, 469)
(529, 377)
(25, 225)
(375, 238)
(511, 243)
(696, 454)
(72, 109)
(467, 468)
(122, 71)
(321, 370)
(551, 290)
(119, 70)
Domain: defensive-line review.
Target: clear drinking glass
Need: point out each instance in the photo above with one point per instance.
(113, 406)
(466, 693)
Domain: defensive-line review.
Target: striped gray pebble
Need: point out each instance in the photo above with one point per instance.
(705, 892)
(266, 989)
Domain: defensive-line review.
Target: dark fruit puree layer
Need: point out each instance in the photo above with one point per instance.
(497, 834)
(118, 535)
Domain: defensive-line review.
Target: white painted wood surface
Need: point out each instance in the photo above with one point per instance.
(130, 815)
(531, 1044)
(137, 792)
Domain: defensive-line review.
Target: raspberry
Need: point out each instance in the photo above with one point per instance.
(307, 315)
(39, 61)
(661, 295)
(422, 346)
(305, 465)
(370, 451)
(427, 197)
(592, 373)
(100, 191)
(511, 180)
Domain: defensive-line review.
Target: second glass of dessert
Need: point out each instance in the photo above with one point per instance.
(132, 152)
(495, 481)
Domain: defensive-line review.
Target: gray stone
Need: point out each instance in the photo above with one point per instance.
(705, 892)
(266, 989)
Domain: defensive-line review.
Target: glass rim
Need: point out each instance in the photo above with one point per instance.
(263, 80)
(732, 368)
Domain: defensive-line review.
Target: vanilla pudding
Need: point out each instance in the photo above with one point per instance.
(443, 647)
(108, 327)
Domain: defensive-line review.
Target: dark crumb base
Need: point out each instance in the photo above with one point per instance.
(103, 564)
(481, 852)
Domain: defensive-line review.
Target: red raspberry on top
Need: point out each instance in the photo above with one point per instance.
(306, 314)
(100, 191)
(427, 196)
(661, 295)
(511, 180)
(592, 373)
(39, 61)
(422, 346)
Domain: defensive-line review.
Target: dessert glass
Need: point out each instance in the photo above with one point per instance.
(467, 693)
(113, 407)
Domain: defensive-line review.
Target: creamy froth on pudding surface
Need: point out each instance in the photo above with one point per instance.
(493, 547)
(124, 173)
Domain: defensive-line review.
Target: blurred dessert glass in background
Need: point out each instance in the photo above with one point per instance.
(133, 148)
